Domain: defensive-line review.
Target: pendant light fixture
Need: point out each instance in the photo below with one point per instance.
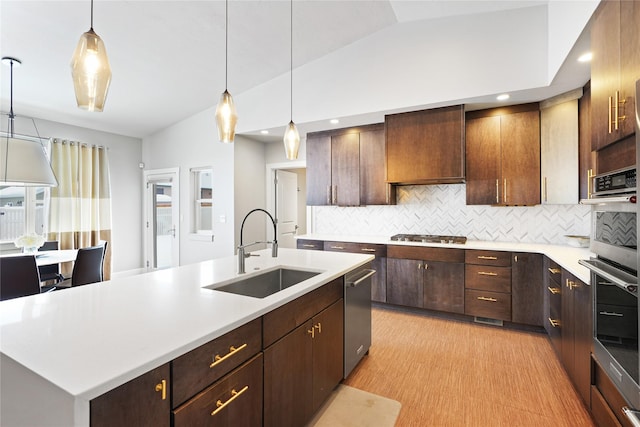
(291, 135)
(90, 70)
(226, 114)
(23, 162)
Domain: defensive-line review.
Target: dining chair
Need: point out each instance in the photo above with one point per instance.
(19, 277)
(50, 272)
(87, 268)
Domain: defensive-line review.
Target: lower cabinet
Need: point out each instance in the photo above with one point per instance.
(426, 277)
(236, 399)
(303, 367)
(606, 400)
(526, 289)
(145, 400)
(487, 282)
(552, 276)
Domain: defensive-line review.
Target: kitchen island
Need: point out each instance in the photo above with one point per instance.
(62, 349)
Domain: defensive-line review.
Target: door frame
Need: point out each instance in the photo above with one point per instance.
(270, 192)
(174, 175)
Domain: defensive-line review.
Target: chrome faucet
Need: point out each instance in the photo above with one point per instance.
(241, 249)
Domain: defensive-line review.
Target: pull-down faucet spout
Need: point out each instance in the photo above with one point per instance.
(241, 249)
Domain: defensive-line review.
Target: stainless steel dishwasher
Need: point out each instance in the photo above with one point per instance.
(357, 316)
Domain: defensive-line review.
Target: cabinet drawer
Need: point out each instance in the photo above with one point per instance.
(425, 253)
(234, 400)
(488, 278)
(371, 249)
(315, 245)
(494, 305)
(610, 393)
(497, 258)
(600, 411)
(197, 369)
(284, 319)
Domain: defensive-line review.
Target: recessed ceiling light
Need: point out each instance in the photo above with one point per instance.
(502, 97)
(585, 57)
(334, 121)
(264, 132)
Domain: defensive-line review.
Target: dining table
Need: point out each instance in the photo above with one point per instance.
(49, 257)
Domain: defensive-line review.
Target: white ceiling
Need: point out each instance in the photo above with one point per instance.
(167, 57)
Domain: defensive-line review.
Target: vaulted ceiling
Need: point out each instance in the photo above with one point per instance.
(353, 60)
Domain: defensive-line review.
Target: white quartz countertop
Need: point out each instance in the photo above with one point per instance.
(93, 338)
(565, 255)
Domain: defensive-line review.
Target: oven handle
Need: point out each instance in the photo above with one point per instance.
(633, 415)
(629, 287)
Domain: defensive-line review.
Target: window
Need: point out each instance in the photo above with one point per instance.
(202, 184)
(22, 210)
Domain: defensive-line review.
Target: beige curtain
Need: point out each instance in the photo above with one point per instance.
(80, 206)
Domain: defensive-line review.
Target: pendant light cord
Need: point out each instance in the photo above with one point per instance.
(91, 26)
(291, 57)
(11, 115)
(226, 43)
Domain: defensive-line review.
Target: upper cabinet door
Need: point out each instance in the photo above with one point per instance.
(345, 169)
(483, 160)
(426, 147)
(373, 187)
(319, 170)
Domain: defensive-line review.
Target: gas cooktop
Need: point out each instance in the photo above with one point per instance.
(429, 238)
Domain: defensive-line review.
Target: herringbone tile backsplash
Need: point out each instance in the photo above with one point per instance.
(441, 209)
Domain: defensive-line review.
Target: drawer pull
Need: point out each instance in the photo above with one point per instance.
(234, 395)
(554, 323)
(487, 257)
(319, 327)
(487, 273)
(162, 387)
(609, 313)
(554, 270)
(553, 290)
(232, 350)
(337, 247)
(306, 245)
(487, 299)
(312, 332)
(368, 250)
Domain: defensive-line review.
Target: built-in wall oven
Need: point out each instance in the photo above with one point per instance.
(614, 278)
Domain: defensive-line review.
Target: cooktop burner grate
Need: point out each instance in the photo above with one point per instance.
(429, 238)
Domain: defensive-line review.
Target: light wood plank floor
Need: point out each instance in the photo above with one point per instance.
(451, 373)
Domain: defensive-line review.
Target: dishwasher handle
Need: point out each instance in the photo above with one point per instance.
(354, 283)
(632, 416)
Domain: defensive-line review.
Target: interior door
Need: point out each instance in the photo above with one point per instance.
(162, 200)
(286, 212)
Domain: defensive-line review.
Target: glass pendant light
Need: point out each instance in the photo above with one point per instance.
(23, 162)
(291, 135)
(90, 70)
(226, 114)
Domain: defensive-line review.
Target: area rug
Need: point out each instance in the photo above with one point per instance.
(350, 407)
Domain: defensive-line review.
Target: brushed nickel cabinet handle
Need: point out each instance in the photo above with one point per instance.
(329, 194)
(337, 247)
(487, 257)
(368, 250)
(234, 395)
(306, 245)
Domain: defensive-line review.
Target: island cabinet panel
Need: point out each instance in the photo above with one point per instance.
(379, 280)
(345, 167)
(235, 400)
(503, 156)
(303, 367)
(426, 146)
(199, 368)
(614, 69)
(144, 400)
(527, 291)
(487, 282)
(426, 277)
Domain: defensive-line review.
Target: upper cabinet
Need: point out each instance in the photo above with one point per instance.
(559, 132)
(345, 167)
(614, 70)
(503, 156)
(426, 147)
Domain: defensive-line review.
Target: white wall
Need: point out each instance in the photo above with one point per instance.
(125, 153)
(191, 143)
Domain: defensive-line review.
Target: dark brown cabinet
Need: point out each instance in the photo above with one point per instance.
(576, 331)
(303, 355)
(379, 264)
(553, 303)
(503, 156)
(614, 69)
(314, 245)
(144, 400)
(487, 283)
(526, 289)
(345, 167)
(426, 146)
(425, 277)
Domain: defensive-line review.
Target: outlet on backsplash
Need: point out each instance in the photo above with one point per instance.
(441, 209)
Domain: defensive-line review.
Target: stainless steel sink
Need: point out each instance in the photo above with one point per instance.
(267, 283)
